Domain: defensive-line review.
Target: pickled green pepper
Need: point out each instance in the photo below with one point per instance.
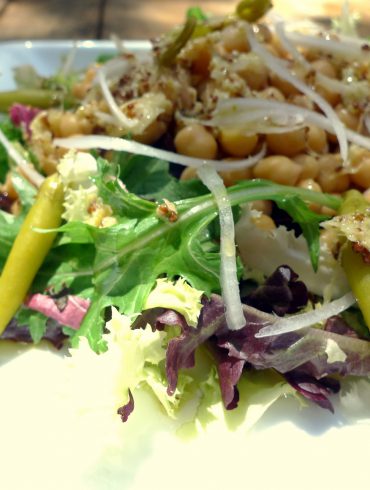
(30, 248)
(357, 271)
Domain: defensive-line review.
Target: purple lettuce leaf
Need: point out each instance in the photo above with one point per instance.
(22, 116)
(21, 333)
(181, 350)
(126, 410)
(307, 349)
(281, 293)
(315, 390)
(229, 371)
(337, 324)
(5, 202)
(68, 310)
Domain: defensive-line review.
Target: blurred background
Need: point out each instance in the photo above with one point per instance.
(137, 19)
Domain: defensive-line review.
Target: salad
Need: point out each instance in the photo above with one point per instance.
(195, 224)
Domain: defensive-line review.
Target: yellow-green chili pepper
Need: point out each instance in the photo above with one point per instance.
(252, 10)
(30, 248)
(357, 271)
(167, 57)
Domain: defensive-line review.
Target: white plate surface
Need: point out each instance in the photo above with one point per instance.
(44, 446)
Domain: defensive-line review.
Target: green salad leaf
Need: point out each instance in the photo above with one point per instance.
(145, 245)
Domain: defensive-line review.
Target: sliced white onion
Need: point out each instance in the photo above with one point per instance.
(229, 280)
(274, 64)
(27, 169)
(114, 69)
(240, 111)
(70, 58)
(255, 121)
(289, 47)
(118, 42)
(118, 144)
(347, 49)
(361, 88)
(123, 120)
(303, 320)
(106, 118)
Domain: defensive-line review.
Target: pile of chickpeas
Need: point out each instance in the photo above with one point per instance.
(307, 157)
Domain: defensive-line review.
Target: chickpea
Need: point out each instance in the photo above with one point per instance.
(311, 185)
(237, 144)
(279, 169)
(200, 57)
(324, 67)
(309, 164)
(188, 173)
(231, 177)
(328, 94)
(331, 176)
(277, 47)
(357, 154)
(350, 119)
(103, 106)
(252, 69)
(264, 222)
(284, 86)
(53, 118)
(361, 174)
(233, 38)
(195, 141)
(272, 93)
(69, 124)
(288, 144)
(80, 89)
(152, 132)
(303, 101)
(86, 126)
(273, 50)
(9, 188)
(262, 206)
(366, 195)
(317, 139)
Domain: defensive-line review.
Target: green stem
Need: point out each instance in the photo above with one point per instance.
(36, 98)
(198, 207)
(168, 56)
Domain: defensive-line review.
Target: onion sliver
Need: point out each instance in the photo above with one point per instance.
(239, 111)
(123, 120)
(356, 89)
(303, 320)
(345, 49)
(288, 46)
(114, 68)
(70, 59)
(26, 168)
(229, 280)
(275, 65)
(118, 144)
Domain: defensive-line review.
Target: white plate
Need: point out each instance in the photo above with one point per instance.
(44, 446)
(47, 56)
